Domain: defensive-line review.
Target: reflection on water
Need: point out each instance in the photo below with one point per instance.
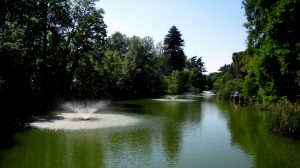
(248, 133)
(200, 133)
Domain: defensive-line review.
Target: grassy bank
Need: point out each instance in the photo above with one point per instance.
(284, 118)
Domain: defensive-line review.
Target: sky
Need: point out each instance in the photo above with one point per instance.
(212, 29)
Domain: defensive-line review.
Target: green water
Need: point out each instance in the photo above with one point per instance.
(199, 133)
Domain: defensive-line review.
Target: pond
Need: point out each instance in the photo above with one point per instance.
(190, 132)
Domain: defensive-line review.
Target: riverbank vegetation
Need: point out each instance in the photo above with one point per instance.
(268, 71)
(284, 118)
(53, 49)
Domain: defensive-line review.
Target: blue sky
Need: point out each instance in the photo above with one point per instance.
(212, 29)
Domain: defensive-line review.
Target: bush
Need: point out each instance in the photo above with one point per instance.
(284, 118)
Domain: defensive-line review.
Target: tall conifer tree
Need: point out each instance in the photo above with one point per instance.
(173, 49)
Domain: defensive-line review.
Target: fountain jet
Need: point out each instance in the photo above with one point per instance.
(172, 97)
(84, 109)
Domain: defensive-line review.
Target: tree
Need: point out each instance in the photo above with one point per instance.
(237, 63)
(224, 68)
(273, 42)
(173, 82)
(143, 77)
(173, 49)
(87, 42)
(196, 68)
(44, 44)
(230, 77)
(117, 42)
(210, 80)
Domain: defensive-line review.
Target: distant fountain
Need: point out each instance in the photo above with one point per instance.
(208, 94)
(175, 98)
(84, 109)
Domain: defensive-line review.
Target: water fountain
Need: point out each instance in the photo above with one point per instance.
(84, 109)
(83, 115)
(208, 93)
(172, 97)
(175, 98)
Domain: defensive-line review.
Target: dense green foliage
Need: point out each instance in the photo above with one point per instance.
(269, 69)
(274, 47)
(230, 77)
(44, 43)
(195, 68)
(143, 69)
(53, 49)
(174, 82)
(181, 74)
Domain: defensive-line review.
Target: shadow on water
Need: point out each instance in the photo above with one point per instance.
(6, 140)
(16, 112)
(128, 106)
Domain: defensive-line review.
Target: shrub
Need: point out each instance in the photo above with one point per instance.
(284, 118)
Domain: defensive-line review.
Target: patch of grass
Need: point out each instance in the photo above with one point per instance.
(284, 118)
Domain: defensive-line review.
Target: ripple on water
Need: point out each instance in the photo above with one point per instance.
(71, 121)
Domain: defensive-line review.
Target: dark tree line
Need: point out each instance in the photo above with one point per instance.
(43, 43)
(136, 67)
(53, 49)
